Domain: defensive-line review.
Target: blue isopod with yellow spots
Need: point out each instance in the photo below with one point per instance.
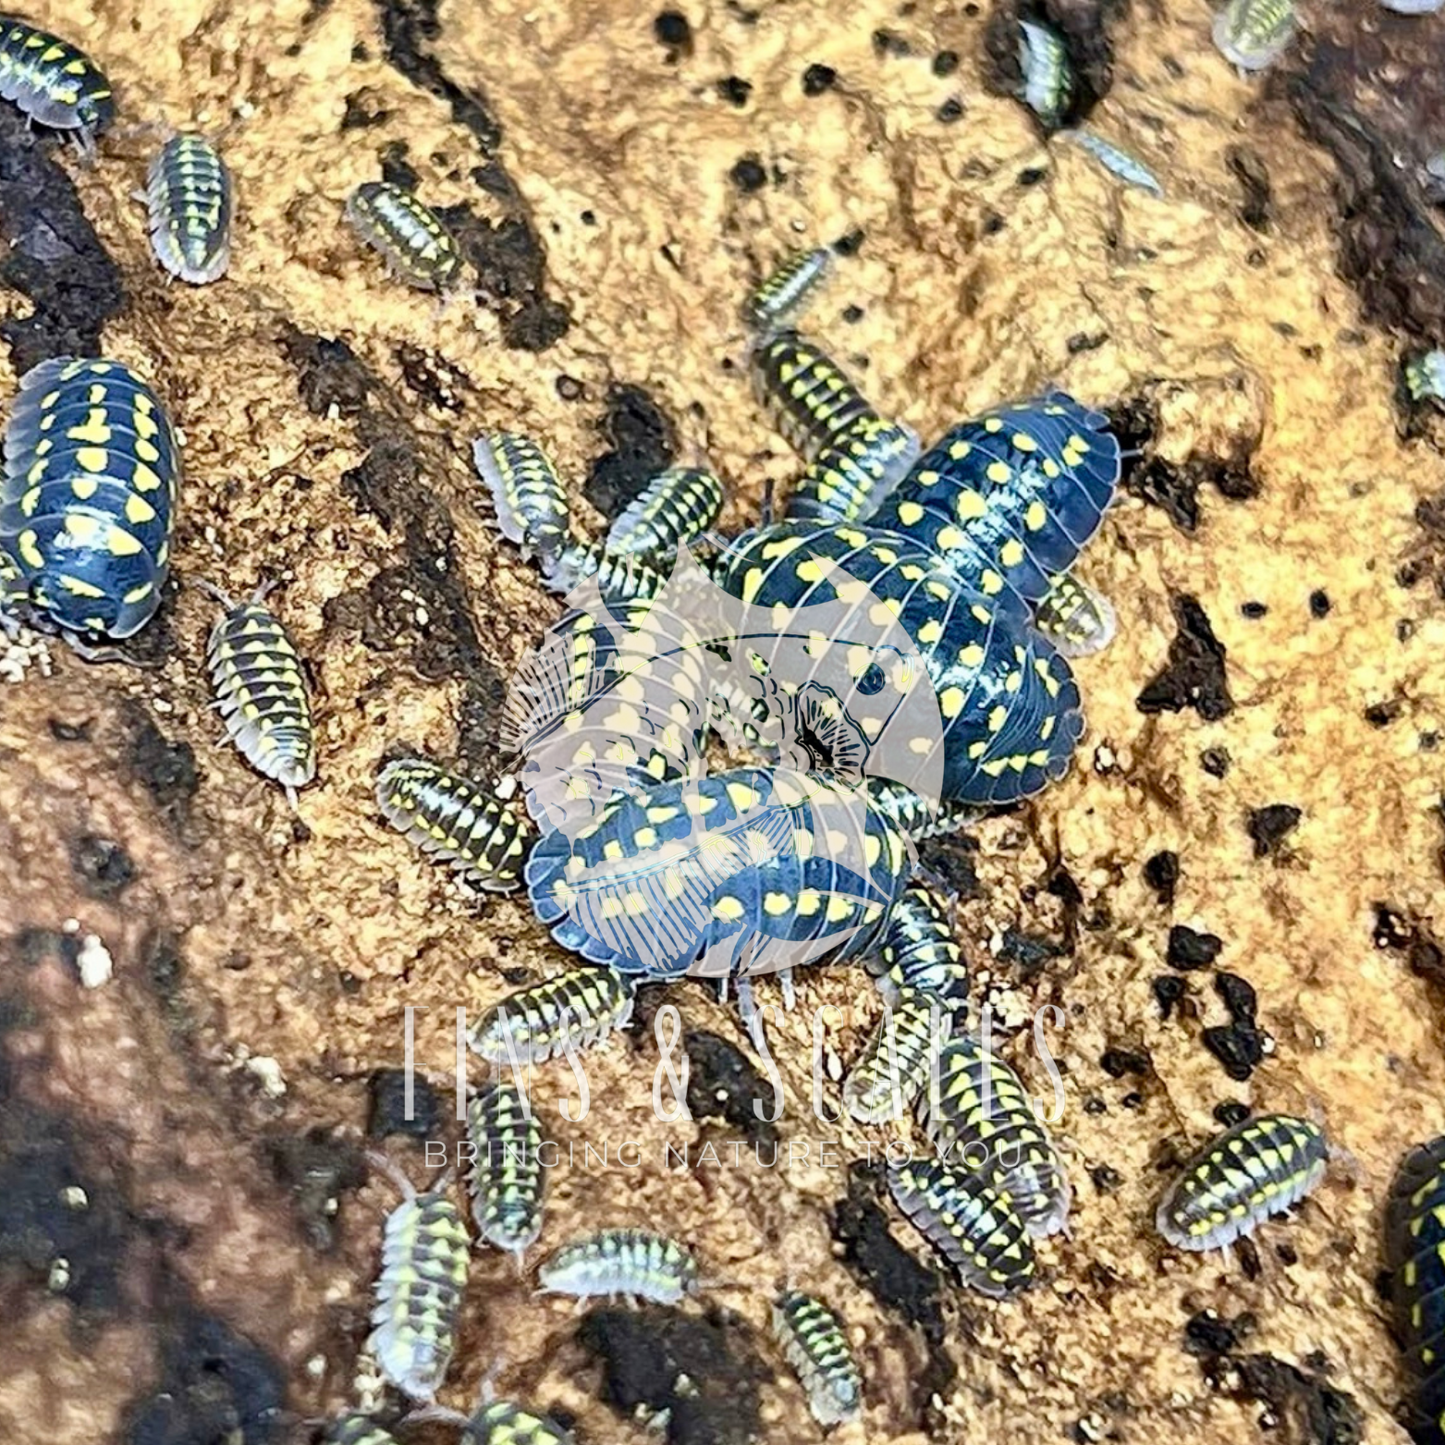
(51, 81)
(425, 1258)
(407, 233)
(1415, 1259)
(813, 1341)
(455, 820)
(188, 194)
(1008, 705)
(92, 474)
(1237, 1181)
(634, 1263)
(968, 1222)
(1010, 498)
(577, 1009)
(722, 876)
(983, 1123)
(507, 1177)
(261, 691)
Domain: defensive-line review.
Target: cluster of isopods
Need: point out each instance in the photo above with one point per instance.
(970, 540)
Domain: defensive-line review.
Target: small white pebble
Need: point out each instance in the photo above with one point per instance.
(59, 1277)
(316, 1366)
(74, 1197)
(1104, 758)
(71, 925)
(268, 1071)
(94, 961)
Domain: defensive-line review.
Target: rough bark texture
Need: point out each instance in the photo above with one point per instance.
(210, 1100)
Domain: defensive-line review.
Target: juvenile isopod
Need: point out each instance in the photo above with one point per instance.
(507, 1175)
(188, 196)
(425, 1255)
(408, 234)
(454, 819)
(261, 691)
(787, 289)
(814, 1344)
(577, 1009)
(1253, 34)
(52, 81)
(1237, 1181)
(633, 1263)
(968, 1222)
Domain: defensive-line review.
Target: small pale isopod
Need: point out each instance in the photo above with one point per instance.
(1253, 34)
(787, 289)
(630, 1262)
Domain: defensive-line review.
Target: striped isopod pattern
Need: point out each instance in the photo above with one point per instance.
(1048, 77)
(407, 233)
(918, 951)
(892, 1071)
(631, 1262)
(1237, 1181)
(261, 692)
(503, 1422)
(814, 1344)
(1415, 1258)
(92, 475)
(452, 819)
(787, 289)
(577, 1009)
(968, 1222)
(1078, 620)
(425, 1256)
(531, 503)
(51, 81)
(983, 1122)
(356, 1428)
(507, 1177)
(849, 477)
(676, 506)
(188, 195)
(810, 396)
(1253, 34)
